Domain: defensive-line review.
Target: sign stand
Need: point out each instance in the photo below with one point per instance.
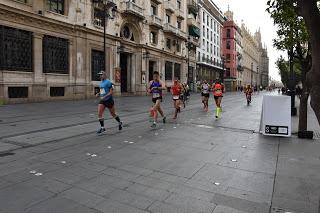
(276, 116)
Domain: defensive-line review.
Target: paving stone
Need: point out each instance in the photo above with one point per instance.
(111, 206)
(19, 197)
(120, 173)
(82, 197)
(294, 205)
(190, 204)
(104, 184)
(131, 199)
(160, 207)
(148, 192)
(225, 209)
(47, 184)
(59, 205)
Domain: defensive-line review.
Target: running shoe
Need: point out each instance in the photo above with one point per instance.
(101, 130)
(154, 125)
(120, 126)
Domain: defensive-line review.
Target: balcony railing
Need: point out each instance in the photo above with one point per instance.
(193, 5)
(169, 28)
(181, 33)
(133, 8)
(192, 21)
(169, 5)
(211, 62)
(195, 41)
(155, 20)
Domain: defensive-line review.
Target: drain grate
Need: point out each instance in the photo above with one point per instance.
(6, 154)
(280, 210)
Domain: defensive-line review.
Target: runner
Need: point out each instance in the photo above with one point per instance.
(218, 94)
(205, 88)
(155, 88)
(106, 101)
(248, 92)
(176, 91)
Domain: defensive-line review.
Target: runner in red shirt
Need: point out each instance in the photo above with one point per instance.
(176, 90)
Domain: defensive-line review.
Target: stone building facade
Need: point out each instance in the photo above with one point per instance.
(53, 49)
(232, 51)
(209, 62)
(251, 57)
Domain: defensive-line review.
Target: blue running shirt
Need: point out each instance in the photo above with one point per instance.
(105, 87)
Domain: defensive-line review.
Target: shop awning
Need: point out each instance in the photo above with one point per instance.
(194, 31)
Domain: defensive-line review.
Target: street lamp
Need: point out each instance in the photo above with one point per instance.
(251, 73)
(222, 70)
(189, 47)
(107, 4)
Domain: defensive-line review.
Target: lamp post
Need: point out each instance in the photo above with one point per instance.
(251, 73)
(189, 47)
(107, 4)
(222, 70)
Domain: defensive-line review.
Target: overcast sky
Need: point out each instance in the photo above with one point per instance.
(253, 13)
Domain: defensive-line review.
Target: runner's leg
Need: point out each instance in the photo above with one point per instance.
(112, 111)
(101, 108)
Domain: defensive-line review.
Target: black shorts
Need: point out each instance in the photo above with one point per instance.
(217, 97)
(107, 103)
(207, 95)
(154, 100)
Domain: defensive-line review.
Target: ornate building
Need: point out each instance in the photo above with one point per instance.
(209, 54)
(232, 51)
(53, 49)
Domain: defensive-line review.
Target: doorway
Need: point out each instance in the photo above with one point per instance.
(124, 72)
(152, 65)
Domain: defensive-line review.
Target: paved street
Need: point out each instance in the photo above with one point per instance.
(53, 161)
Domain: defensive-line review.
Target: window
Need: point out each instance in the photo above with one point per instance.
(168, 70)
(207, 20)
(204, 44)
(215, 50)
(207, 46)
(179, 24)
(228, 45)
(98, 17)
(178, 46)
(168, 44)
(15, 49)
(153, 38)
(215, 27)
(228, 58)
(211, 36)
(211, 24)
(179, 4)
(55, 55)
(177, 71)
(204, 31)
(154, 10)
(18, 92)
(97, 64)
(56, 6)
(228, 33)
(208, 34)
(168, 18)
(204, 18)
(23, 1)
(56, 91)
(211, 48)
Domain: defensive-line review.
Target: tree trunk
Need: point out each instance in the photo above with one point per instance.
(303, 111)
(309, 11)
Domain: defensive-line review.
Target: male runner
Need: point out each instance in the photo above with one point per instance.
(248, 92)
(218, 94)
(106, 100)
(205, 88)
(155, 88)
(176, 91)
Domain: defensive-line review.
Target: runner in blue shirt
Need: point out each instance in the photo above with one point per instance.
(106, 101)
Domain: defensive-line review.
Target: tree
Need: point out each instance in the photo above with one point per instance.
(283, 67)
(293, 38)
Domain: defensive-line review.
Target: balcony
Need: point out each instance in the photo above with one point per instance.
(181, 34)
(131, 8)
(193, 6)
(155, 21)
(170, 6)
(240, 68)
(168, 28)
(195, 41)
(192, 21)
(180, 13)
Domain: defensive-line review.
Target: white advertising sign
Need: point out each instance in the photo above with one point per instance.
(276, 116)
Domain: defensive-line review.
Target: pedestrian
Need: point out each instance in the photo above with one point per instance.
(156, 86)
(218, 94)
(176, 90)
(205, 93)
(106, 101)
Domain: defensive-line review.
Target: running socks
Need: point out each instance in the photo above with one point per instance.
(101, 120)
(117, 119)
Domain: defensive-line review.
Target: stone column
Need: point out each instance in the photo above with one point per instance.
(39, 88)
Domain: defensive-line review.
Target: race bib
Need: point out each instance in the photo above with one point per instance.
(176, 97)
(155, 95)
(102, 91)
